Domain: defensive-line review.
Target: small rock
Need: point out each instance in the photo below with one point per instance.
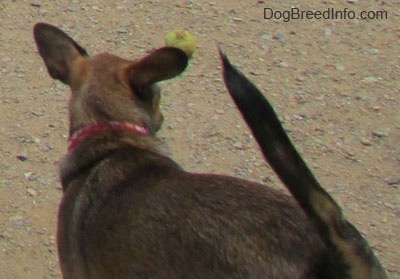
(389, 205)
(303, 114)
(237, 19)
(254, 73)
(370, 79)
(22, 157)
(30, 175)
(31, 192)
(371, 50)
(301, 78)
(36, 3)
(219, 111)
(238, 145)
(71, 9)
(266, 36)
(6, 59)
(283, 64)
(122, 30)
(42, 12)
(45, 148)
(393, 182)
(379, 134)
(18, 222)
(366, 142)
(339, 67)
(280, 37)
(352, 1)
(327, 31)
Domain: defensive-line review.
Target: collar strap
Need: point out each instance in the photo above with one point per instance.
(98, 126)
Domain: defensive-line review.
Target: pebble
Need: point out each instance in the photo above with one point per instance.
(36, 3)
(327, 31)
(22, 157)
(280, 37)
(366, 142)
(339, 67)
(31, 192)
(238, 145)
(379, 134)
(283, 64)
(393, 182)
(237, 19)
(266, 36)
(30, 175)
(372, 50)
(301, 78)
(370, 79)
(352, 1)
(389, 205)
(122, 30)
(18, 222)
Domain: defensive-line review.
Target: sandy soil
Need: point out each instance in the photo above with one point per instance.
(333, 82)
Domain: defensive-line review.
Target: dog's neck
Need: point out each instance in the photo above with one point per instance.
(99, 126)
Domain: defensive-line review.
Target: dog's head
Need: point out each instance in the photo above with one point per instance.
(106, 87)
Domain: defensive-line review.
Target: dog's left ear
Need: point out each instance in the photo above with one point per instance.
(163, 63)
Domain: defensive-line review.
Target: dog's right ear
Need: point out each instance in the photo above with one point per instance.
(163, 63)
(58, 50)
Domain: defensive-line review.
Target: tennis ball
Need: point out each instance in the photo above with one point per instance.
(181, 39)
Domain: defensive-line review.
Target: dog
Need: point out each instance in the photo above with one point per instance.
(129, 211)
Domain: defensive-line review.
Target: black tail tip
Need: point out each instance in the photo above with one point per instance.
(226, 64)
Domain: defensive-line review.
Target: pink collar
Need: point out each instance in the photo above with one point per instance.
(98, 126)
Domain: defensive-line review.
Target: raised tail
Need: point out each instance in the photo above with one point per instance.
(282, 156)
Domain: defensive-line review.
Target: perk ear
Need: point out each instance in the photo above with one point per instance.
(57, 49)
(163, 63)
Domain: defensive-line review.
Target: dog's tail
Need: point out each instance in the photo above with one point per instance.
(280, 153)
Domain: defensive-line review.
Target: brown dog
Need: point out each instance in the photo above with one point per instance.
(128, 211)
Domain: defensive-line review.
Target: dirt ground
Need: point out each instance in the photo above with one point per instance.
(334, 83)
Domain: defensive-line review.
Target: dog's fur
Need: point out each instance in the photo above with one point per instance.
(129, 211)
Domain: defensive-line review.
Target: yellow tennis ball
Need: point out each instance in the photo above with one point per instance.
(181, 39)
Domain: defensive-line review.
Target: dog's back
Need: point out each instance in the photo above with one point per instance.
(158, 221)
(128, 211)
